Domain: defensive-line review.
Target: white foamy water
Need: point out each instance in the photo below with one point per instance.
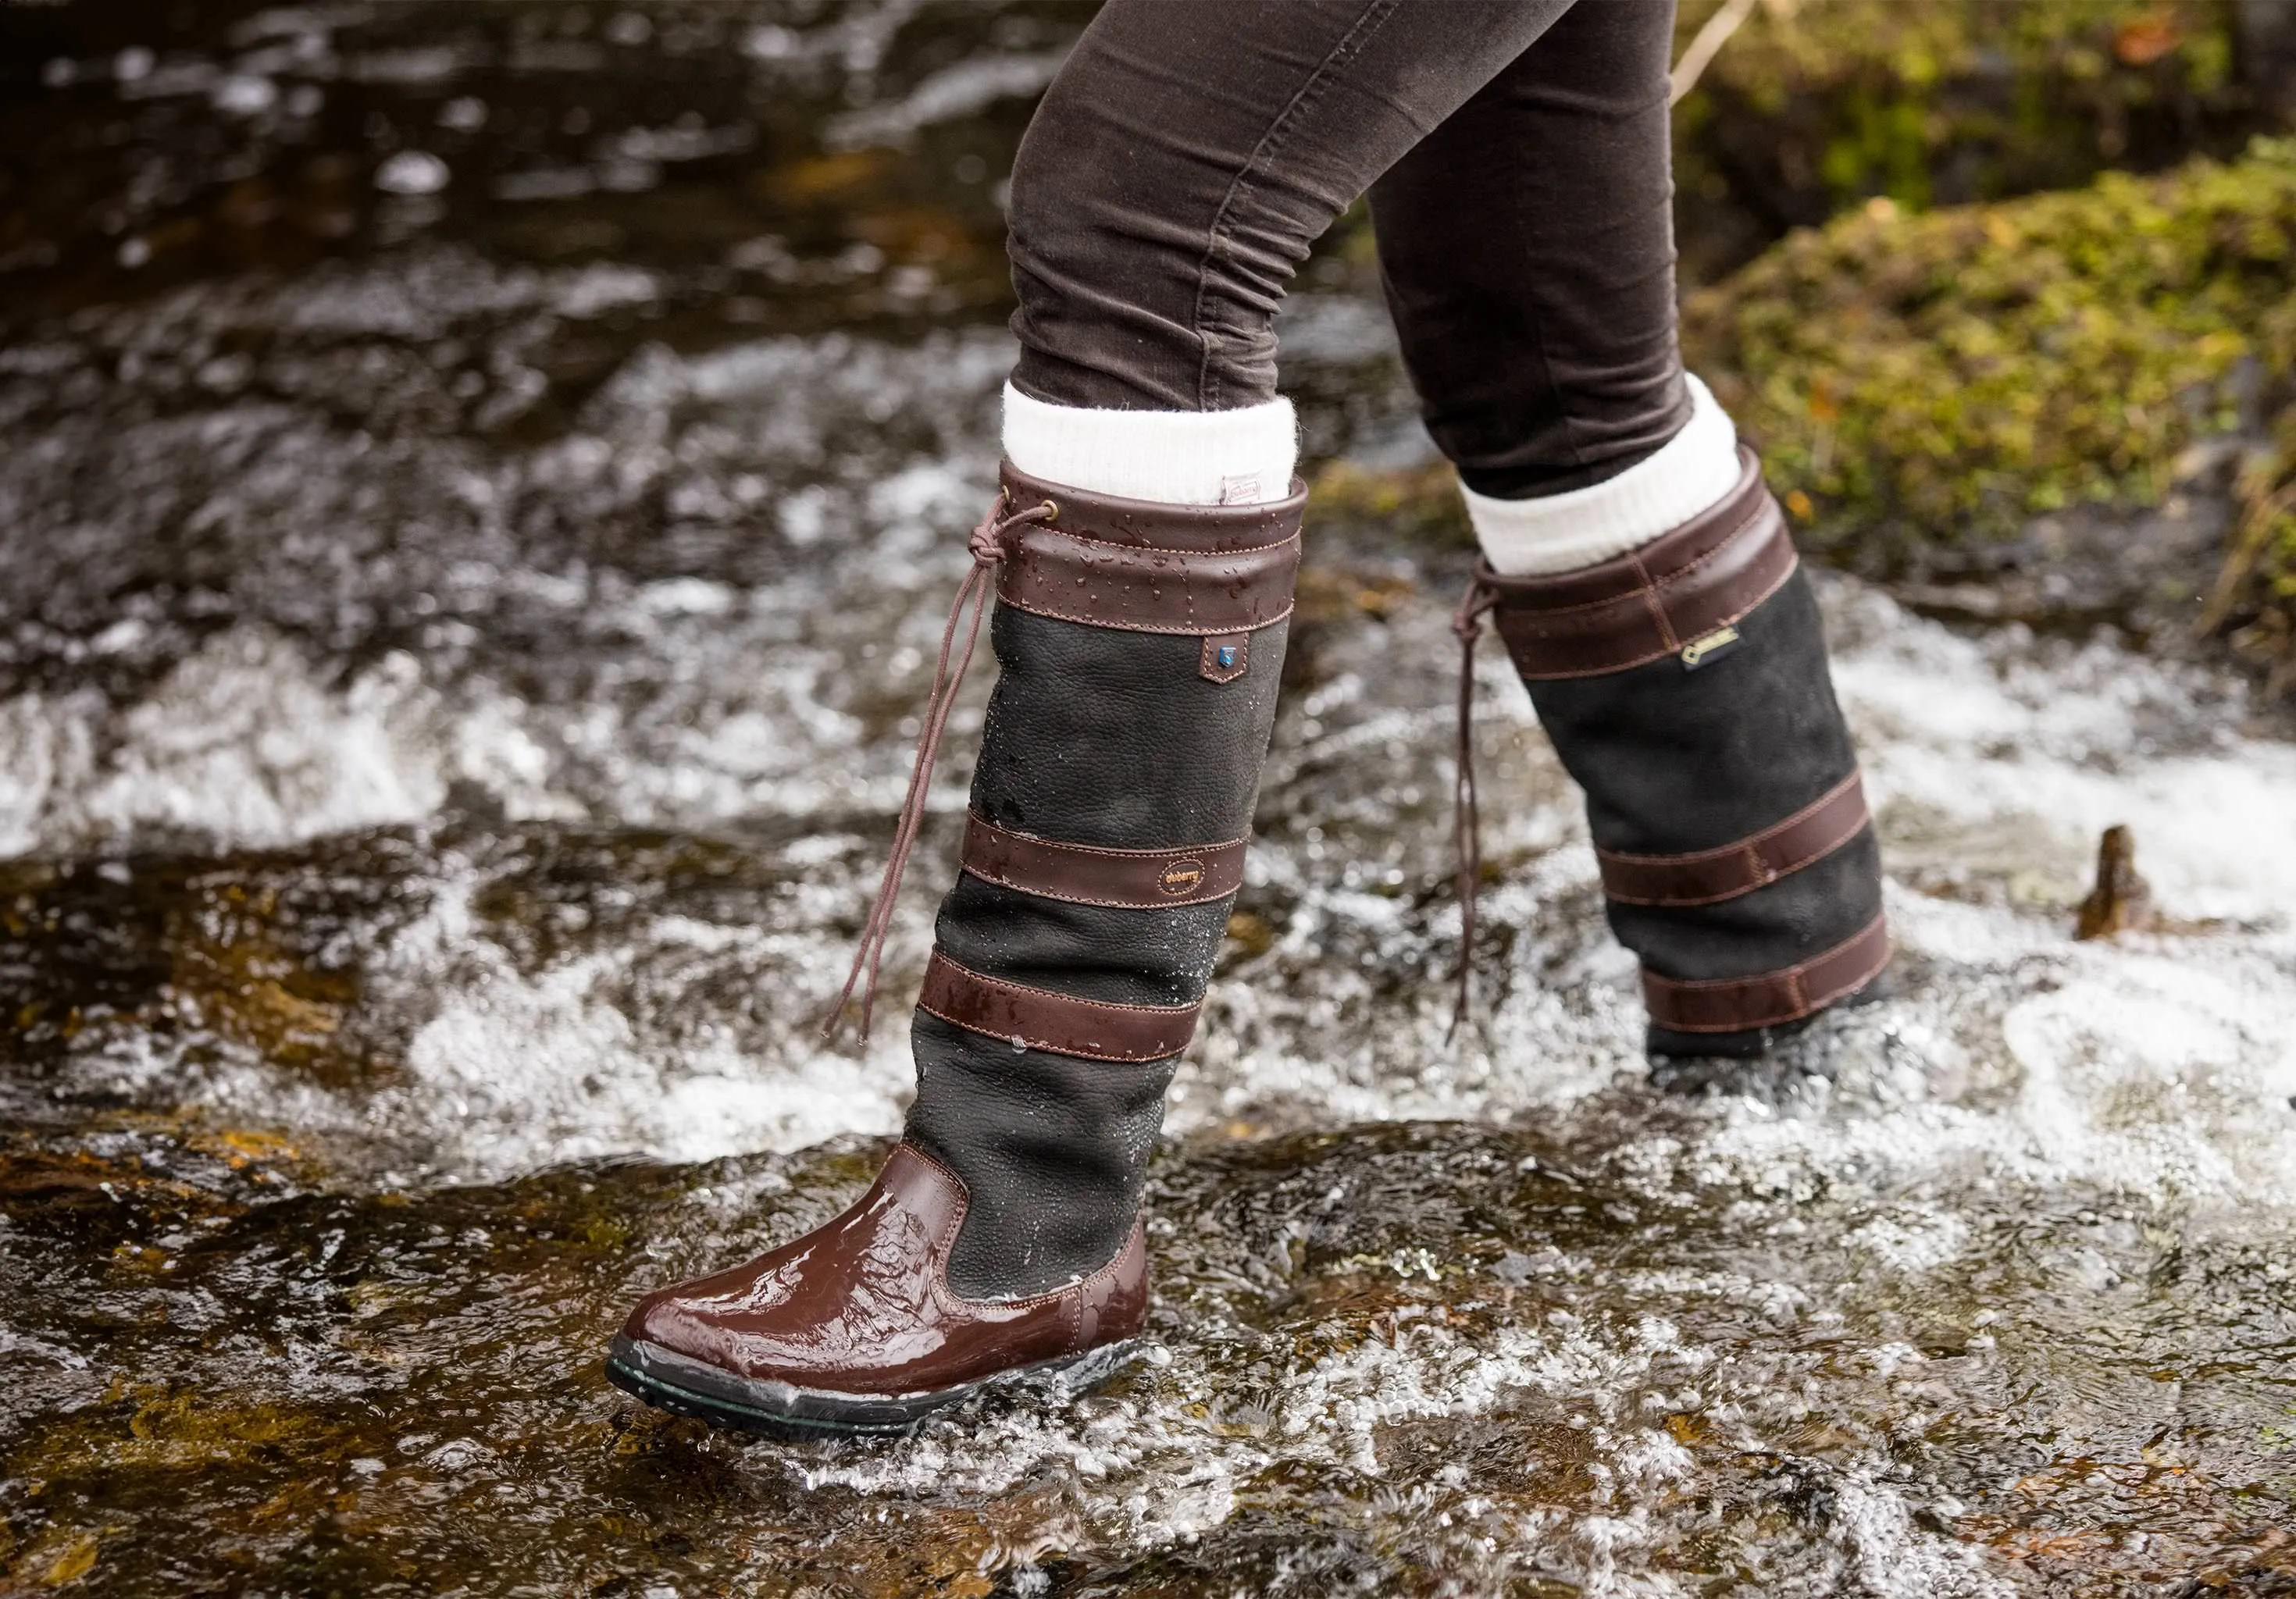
(2153, 1061)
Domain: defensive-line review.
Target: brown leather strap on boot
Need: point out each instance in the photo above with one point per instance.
(1678, 595)
(1737, 1004)
(1711, 876)
(1085, 874)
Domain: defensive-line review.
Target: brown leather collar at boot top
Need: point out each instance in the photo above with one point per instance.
(1661, 599)
(1145, 567)
(1152, 525)
(862, 1305)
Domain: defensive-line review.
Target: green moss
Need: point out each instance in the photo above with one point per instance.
(1813, 105)
(1966, 368)
(1420, 505)
(1943, 377)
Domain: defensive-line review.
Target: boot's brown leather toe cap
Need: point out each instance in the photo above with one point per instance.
(863, 1306)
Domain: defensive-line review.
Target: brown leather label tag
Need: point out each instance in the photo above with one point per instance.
(1227, 657)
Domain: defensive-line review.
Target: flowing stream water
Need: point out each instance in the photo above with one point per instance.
(482, 489)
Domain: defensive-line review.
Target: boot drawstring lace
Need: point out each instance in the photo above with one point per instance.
(990, 546)
(1467, 623)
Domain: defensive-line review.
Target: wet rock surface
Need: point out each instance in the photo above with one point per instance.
(451, 703)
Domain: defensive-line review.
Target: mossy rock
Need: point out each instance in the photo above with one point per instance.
(1812, 106)
(1919, 383)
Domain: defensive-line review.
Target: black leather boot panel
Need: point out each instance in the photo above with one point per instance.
(1675, 760)
(1096, 736)
(1140, 650)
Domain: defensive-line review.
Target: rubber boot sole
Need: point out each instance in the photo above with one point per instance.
(684, 1386)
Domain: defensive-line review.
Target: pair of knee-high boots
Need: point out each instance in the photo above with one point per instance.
(1685, 685)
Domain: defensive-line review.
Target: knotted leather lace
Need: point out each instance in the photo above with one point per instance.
(1467, 622)
(989, 546)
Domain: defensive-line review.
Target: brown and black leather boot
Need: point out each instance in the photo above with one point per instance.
(1685, 685)
(1140, 647)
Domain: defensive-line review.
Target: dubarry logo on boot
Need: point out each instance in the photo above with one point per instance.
(1182, 876)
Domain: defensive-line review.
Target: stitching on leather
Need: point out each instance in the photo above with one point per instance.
(942, 1284)
(1762, 871)
(1026, 534)
(1648, 594)
(964, 1204)
(1097, 1004)
(1720, 545)
(1798, 1008)
(1192, 1012)
(1109, 1055)
(1197, 626)
(1689, 568)
(1110, 850)
(1208, 667)
(1107, 507)
(1111, 904)
(946, 1292)
(1099, 852)
(1648, 582)
(1115, 625)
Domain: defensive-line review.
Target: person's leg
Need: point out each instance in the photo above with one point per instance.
(1528, 249)
(1638, 571)
(1185, 158)
(1189, 154)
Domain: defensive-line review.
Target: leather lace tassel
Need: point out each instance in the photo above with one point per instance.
(988, 545)
(1467, 622)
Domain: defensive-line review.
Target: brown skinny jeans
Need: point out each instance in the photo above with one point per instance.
(1516, 156)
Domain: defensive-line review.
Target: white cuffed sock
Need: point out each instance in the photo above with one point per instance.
(1558, 532)
(1177, 457)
